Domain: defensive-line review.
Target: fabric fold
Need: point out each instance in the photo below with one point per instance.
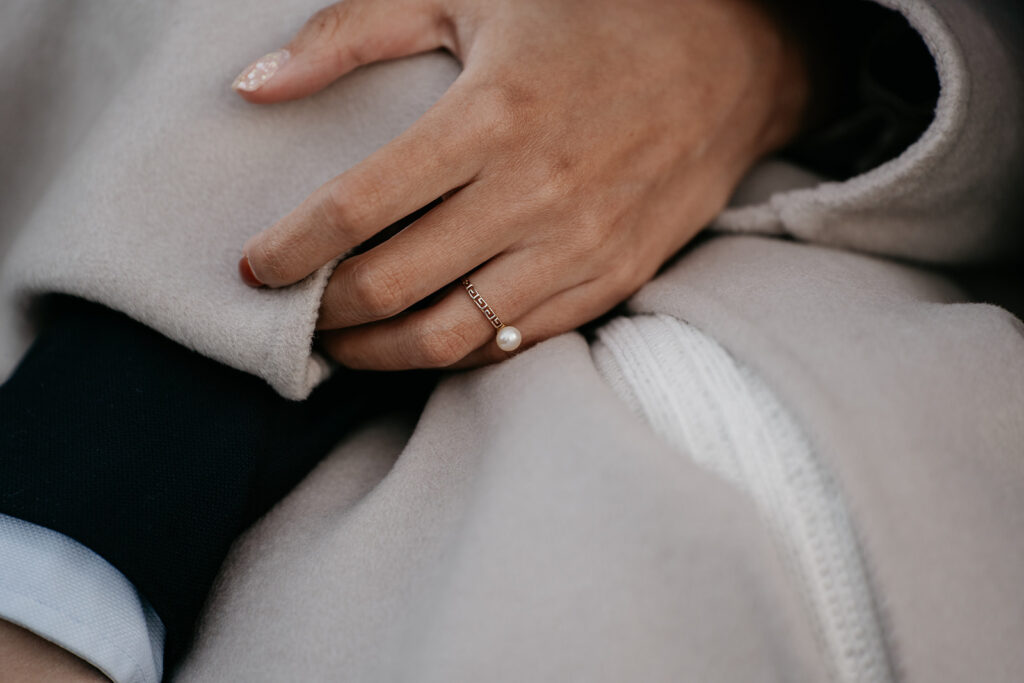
(149, 211)
(942, 200)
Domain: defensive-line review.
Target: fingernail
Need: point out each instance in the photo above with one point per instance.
(254, 76)
(245, 271)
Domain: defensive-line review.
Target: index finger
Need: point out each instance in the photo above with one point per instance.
(436, 154)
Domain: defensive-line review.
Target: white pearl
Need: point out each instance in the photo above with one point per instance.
(509, 338)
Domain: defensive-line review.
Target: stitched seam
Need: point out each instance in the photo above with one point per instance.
(791, 487)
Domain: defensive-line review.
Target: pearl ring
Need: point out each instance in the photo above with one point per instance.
(508, 338)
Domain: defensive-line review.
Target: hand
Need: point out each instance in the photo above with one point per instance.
(583, 144)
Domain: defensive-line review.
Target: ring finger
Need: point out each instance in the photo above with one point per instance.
(512, 284)
(561, 313)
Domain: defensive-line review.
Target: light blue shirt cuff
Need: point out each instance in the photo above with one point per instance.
(59, 589)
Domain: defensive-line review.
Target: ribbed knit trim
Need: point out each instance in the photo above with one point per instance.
(724, 417)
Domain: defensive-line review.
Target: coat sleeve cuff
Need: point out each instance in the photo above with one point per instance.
(952, 195)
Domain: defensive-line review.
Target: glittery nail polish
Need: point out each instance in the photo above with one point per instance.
(254, 76)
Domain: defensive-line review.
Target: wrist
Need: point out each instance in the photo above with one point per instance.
(791, 72)
(767, 74)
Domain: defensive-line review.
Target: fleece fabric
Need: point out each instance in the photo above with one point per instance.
(156, 457)
(529, 525)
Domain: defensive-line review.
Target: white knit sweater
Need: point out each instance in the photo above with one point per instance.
(721, 415)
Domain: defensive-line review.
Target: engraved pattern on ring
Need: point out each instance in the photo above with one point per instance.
(491, 316)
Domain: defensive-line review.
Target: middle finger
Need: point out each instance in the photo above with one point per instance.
(450, 240)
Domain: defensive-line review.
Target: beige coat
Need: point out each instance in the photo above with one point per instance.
(531, 524)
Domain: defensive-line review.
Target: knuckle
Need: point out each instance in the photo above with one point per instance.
(442, 347)
(625, 281)
(380, 294)
(590, 234)
(326, 23)
(497, 110)
(335, 49)
(553, 181)
(352, 205)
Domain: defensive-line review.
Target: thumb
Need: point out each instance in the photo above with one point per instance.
(339, 38)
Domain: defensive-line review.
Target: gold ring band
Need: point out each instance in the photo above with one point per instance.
(508, 338)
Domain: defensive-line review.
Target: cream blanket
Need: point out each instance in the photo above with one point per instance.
(529, 525)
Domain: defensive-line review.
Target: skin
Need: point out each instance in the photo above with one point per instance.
(584, 143)
(27, 658)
